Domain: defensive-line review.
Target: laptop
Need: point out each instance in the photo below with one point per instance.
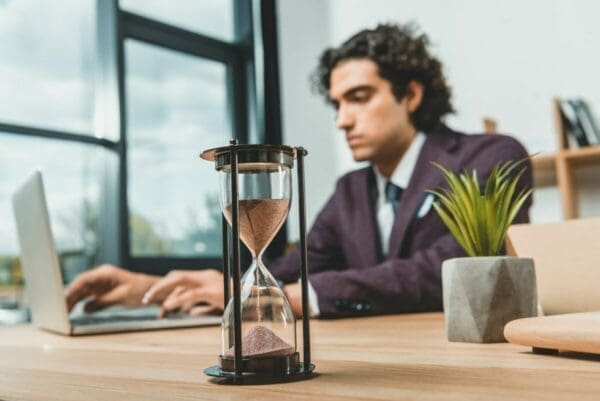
(44, 284)
(567, 262)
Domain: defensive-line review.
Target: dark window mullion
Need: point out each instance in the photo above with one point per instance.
(236, 100)
(268, 98)
(168, 36)
(124, 232)
(161, 265)
(109, 111)
(60, 135)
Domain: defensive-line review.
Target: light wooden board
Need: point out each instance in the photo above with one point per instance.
(567, 262)
(401, 357)
(571, 332)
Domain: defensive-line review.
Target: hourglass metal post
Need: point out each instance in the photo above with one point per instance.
(300, 153)
(225, 240)
(235, 224)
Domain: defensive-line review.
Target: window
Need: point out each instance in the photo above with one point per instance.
(176, 108)
(114, 101)
(183, 92)
(46, 93)
(46, 74)
(209, 17)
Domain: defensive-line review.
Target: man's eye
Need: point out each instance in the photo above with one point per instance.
(360, 98)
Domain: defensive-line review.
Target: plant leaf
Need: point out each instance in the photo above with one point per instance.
(479, 221)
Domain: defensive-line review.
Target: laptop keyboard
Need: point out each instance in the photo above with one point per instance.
(87, 320)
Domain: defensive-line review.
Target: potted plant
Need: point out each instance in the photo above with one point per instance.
(485, 290)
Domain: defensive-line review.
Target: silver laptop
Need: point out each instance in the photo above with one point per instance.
(44, 285)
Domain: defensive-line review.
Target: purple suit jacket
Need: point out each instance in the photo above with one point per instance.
(346, 267)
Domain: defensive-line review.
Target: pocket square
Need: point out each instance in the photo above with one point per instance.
(425, 206)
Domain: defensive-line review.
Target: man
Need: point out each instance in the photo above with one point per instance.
(377, 245)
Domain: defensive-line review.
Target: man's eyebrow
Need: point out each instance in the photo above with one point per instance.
(359, 88)
(352, 91)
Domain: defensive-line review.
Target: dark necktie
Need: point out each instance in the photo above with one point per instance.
(393, 194)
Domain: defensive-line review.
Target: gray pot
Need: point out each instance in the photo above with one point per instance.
(482, 294)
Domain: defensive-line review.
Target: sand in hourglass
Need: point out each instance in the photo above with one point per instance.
(260, 219)
(261, 341)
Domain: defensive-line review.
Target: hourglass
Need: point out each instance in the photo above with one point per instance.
(258, 331)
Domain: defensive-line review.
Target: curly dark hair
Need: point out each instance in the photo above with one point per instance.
(401, 56)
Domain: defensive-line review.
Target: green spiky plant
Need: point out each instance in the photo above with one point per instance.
(479, 221)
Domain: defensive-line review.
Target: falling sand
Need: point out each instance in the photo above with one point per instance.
(260, 219)
(261, 341)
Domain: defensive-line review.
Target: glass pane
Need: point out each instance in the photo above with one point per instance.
(46, 73)
(209, 17)
(72, 182)
(176, 107)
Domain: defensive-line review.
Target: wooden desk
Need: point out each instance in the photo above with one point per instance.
(381, 358)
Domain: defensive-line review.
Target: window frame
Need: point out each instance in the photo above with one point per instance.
(243, 59)
(253, 107)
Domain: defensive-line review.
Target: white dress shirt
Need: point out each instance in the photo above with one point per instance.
(385, 213)
(400, 177)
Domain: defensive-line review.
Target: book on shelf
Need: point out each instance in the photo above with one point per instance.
(571, 122)
(588, 121)
(579, 122)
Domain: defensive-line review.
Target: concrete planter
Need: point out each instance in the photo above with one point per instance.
(482, 294)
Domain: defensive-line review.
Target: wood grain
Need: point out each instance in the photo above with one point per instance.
(380, 358)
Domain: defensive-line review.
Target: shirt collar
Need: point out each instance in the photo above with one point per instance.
(404, 170)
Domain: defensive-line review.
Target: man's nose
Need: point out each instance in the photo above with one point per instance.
(344, 119)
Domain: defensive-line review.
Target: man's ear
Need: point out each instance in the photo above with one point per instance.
(414, 95)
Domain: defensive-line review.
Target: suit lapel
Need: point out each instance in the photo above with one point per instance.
(425, 176)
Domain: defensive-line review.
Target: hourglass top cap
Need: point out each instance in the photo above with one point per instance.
(253, 156)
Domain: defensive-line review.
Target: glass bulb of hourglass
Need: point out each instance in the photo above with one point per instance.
(260, 220)
(268, 324)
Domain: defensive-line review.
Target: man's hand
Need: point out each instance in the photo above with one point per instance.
(195, 292)
(108, 285)
(293, 293)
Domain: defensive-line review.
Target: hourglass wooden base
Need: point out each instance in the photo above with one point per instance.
(265, 370)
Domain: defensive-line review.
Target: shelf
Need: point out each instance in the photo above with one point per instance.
(559, 168)
(583, 156)
(544, 165)
(544, 162)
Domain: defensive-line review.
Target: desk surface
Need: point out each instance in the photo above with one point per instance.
(380, 358)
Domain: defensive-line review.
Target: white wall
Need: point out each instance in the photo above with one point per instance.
(504, 60)
(303, 32)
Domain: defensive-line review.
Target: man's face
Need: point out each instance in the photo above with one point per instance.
(377, 125)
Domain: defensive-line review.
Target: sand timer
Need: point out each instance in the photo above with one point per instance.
(258, 331)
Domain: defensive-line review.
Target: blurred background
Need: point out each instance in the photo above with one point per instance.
(114, 100)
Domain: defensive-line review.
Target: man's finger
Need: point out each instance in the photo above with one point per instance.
(181, 299)
(161, 289)
(162, 312)
(86, 284)
(189, 296)
(105, 300)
